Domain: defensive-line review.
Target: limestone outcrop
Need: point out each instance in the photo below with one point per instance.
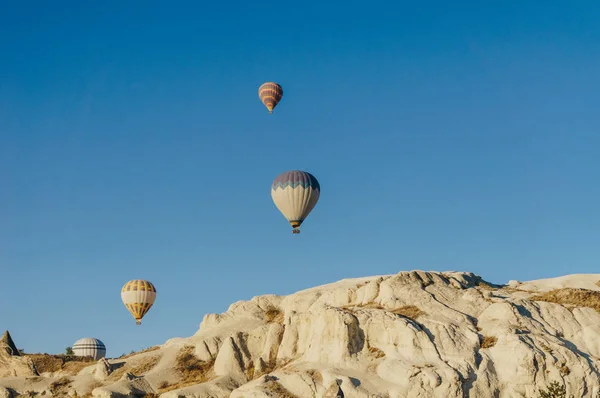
(413, 334)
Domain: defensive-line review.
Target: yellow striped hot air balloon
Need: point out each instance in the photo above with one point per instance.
(270, 94)
(138, 296)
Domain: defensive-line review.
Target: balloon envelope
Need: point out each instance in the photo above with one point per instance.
(89, 347)
(138, 296)
(270, 94)
(295, 193)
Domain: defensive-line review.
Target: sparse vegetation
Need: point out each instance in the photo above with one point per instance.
(571, 298)
(250, 370)
(376, 352)
(274, 314)
(149, 349)
(268, 367)
(488, 341)
(272, 386)
(145, 366)
(191, 368)
(137, 367)
(564, 370)
(59, 385)
(408, 311)
(555, 390)
(486, 285)
(53, 363)
(75, 366)
(545, 347)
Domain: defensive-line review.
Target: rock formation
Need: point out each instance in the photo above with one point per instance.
(11, 361)
(8, 345)
(413, 334)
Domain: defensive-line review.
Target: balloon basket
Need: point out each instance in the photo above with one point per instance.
(295, 231)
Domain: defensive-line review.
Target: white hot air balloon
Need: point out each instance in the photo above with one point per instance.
(295, 193)
(89, 347)
(138, 296)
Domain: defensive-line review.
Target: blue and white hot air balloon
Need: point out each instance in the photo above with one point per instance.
(295, 193)
(89, 347)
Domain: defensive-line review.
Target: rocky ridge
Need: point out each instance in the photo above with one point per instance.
(413, 334)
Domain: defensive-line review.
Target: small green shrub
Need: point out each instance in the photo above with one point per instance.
(555, 390)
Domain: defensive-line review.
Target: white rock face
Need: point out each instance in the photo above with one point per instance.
(5, 393)
(103, 369)
(13, 366)
(414, 334)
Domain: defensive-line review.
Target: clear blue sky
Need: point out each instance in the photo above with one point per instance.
(445, 136)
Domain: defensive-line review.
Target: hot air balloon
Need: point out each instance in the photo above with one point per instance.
(295, 194)
(138, 296)
(89, 347)
(270, 94)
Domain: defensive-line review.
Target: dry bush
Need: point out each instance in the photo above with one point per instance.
(274, 315)
(59, 385)
(53, 363)
(271, 386)
(555, 390)
(250, 370)
(564, 370)
(376, 352)
(409, 311)
(46, 363)
(488, 341)
(371, 305)
(571, 298)
(545, 347)
(191, 369)
(190, 366)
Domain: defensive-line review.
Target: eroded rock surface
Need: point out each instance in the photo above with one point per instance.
(413, 334)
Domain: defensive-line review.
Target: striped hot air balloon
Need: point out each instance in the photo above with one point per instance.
(270, 94)
(138, 296)
(89, 347)
(295, 193)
